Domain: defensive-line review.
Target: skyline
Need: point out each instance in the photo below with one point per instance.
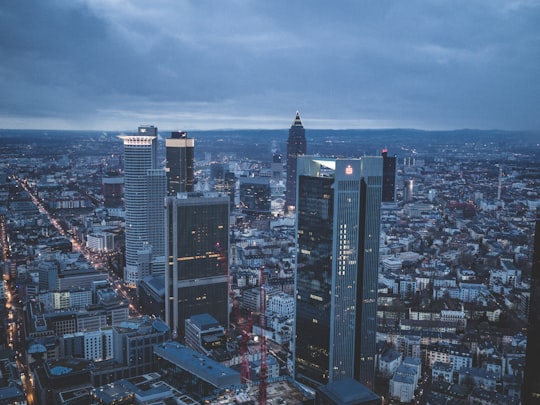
(112, 65)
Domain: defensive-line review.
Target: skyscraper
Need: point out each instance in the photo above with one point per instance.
(389, 177)
(139, 157)
(180, 155)
(296, 146)
(408, 190)
(531, 380)
(197, 243)
(156, 183)
(338, 221)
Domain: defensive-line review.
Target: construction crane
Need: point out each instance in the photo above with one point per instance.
(241, 324)
(263, 373)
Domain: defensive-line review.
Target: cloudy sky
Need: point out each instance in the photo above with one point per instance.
(202, 64)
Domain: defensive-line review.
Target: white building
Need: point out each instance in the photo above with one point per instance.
(402, 387)
(389, 362)
(281, 305)
(100, 242)
(442, 372)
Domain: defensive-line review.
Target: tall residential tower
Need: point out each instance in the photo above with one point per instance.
(139, 157)
(296, 146)
(338, 227)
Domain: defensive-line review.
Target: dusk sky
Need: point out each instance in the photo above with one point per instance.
(115, 64)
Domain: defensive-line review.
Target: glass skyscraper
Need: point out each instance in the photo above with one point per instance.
(389, 177)
(338, 227)
(180, 155)
(531, 380)
(156, 182)
(197, 244)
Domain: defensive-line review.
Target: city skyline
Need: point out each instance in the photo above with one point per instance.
(104, 65)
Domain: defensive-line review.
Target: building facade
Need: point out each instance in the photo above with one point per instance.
(180, 155)
(389, 177)
(255, 196)
(197, 243)
(531, 380)
(296, 146)
(156, 186)
(338, 221)
(139, 156)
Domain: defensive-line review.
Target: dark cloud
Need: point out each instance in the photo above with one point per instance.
(114, 64)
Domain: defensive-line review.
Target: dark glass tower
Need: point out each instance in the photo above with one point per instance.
(197, 243)
(389, 177)
(255, 196)
(531, 380)
(180, 152)
(296, 146)
(338, 221)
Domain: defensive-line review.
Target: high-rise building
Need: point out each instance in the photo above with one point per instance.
(389, 177)
(140, 155)
(338, 221)
(255, 196)
(180, 155)
(277, 167)
(197, 243)
(296, 146)
(112, 189)
(531, 380)
(156, 186)
(408, 190)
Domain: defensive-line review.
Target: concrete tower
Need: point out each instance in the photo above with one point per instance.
(139, 157)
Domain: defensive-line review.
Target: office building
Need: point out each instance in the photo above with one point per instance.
(205, 335)
(193, 373)
(277, 167)
(112, 189)
(408, 188)
(338, 222)
(255, 196)
(180, 155)
(296, 146)
(134, 341)
(389, 177)
(156, 186)
(531, 380)
(197, 243)
(139, 157)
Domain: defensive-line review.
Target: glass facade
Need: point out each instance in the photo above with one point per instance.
(197, 250)
(531, 379)
(180, 155)
(255, 195)
(314, 278)
(389, 177)
(338, 219)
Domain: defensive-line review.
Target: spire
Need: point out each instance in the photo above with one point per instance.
(297, 121)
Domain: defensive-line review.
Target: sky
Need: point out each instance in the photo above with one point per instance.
(216, 64)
